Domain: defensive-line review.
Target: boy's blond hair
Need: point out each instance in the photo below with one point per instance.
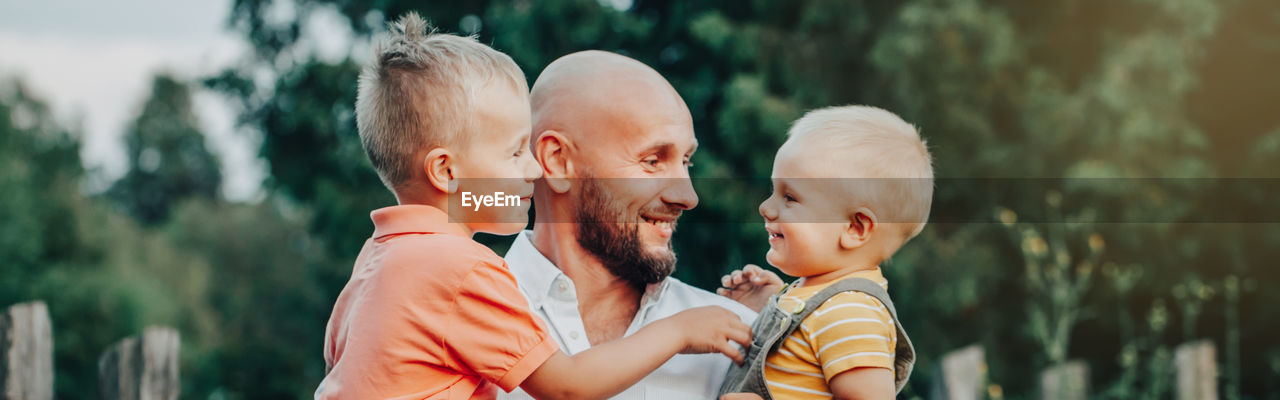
(418, 92)
(881, 149)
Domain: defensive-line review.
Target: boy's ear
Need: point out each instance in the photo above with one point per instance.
(862, 224)
(438, 164)
(551, 150)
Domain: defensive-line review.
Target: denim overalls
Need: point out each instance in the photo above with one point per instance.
(774, 324)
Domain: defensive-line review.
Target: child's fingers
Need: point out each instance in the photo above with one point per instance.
(732, 278)
(739, 332)
(762, 276)
(731, 351)
(738, 336)
(728, 279)
(749, 277)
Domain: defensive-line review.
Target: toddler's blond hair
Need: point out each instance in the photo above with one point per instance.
(880, 150)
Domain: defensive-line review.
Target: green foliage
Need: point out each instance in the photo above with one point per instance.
(1000, 89)
(267, 299)
(1082, 99)
(103, 277)
(228, 276)
(168, 161)
(39, 176)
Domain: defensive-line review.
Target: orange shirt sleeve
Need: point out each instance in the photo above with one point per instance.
(493, 332)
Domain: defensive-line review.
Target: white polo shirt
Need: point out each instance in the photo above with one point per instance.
(552, 296)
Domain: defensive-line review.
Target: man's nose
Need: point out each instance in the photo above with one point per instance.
(679, 192)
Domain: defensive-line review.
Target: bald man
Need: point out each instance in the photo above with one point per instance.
(614, 140)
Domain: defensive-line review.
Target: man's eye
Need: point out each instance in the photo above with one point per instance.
(651, 162)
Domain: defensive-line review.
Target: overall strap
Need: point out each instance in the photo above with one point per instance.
(905, 359)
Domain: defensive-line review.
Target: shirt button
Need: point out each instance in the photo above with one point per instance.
(562, 287)
(573, 335)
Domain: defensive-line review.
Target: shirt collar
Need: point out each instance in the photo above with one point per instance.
(533, 271)
(873, 274)
(653, 293)
(537, 276)
(413, 218)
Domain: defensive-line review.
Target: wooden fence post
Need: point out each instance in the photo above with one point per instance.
(141, 368)
(961, 374)
(1066, 381)
(26, 352)
(1197, 371)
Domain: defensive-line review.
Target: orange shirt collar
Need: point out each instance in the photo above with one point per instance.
(413, 218)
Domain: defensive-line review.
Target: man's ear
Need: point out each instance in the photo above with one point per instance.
(551, 148)
(438, 164)
(862, 224)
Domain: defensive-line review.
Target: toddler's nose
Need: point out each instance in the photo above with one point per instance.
(767, 211)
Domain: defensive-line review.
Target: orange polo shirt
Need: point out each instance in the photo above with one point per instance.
(429, 313)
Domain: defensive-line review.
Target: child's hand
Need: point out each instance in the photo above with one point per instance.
(740, 396)
(750, 286)
(712, 329)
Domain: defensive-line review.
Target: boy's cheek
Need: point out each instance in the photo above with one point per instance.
(515, 219)
(775, 258)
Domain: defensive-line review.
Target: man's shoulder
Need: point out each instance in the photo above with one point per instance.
(691, 296)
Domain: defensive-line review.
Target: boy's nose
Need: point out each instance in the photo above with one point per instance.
(532, 169)
(767, 211)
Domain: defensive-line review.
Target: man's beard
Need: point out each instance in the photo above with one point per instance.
(602, 232)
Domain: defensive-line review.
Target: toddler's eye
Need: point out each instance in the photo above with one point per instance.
(789, 198)
(518, 153)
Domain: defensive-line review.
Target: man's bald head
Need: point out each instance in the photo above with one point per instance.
(594, 95)
(614, 139)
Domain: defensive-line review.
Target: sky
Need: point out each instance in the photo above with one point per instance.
(92, 61)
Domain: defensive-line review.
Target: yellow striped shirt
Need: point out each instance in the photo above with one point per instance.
(850, 330)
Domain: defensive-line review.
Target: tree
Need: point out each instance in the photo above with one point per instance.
(168, 160)
(39, 175)
(103, 277)
(1016, 99)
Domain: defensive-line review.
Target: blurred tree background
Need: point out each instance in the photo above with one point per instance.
(1031, 109)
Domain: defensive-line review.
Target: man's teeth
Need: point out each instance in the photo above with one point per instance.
(660, 224)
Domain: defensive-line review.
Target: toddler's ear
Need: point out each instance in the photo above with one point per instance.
(862, 224)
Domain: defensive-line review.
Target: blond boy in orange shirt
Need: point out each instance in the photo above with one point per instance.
(429, 312)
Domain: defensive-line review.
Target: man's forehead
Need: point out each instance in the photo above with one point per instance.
(669, 136)
(594, 76)
(661, 145)
(604, 100)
